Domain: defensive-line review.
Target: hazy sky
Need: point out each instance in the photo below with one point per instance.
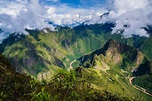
(16, 15)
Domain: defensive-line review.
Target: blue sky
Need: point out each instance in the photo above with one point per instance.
(73, 2)
(87, 3)
(76, 3)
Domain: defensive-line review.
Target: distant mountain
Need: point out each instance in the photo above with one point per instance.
(46, 55)
(40, 51)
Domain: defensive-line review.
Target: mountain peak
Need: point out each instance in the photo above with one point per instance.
(112, 43)
(120, 47)
(116, 53)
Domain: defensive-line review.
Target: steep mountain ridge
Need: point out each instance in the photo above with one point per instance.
(20, 87)
(40, 51)
(118, 60)
(117, 54)
(44, 50)
(44, 54)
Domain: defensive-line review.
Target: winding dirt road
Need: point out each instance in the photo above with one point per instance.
(142, 90)
(70, 68)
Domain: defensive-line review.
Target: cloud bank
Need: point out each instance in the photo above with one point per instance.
(17, 15)
(66, 15)
(136, 14)
(129, 15)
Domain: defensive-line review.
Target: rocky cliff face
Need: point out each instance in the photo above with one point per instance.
(114, 54)
(117, 58)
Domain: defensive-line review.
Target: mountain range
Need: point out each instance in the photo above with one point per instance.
(106, 62)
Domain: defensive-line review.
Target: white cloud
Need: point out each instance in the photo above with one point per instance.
(11, 8)
(135, 13)
(22, 1)
(17, 15)
(65, 15)
(3, 36)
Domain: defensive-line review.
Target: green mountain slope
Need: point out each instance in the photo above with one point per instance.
(147, 47)
(65, 86)
(115, 64)
(6, 68)
(107, 69)
(15, 86)
(143, 76)
(115, 54)
(39, 52)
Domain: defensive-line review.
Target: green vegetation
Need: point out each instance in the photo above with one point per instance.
(98, 74)
(14, 86)
(39, 51)
(114, 54)
(118, 62)
(147, 47)
(65, 86)
(81, 84)
(143, 76)
(144, 81)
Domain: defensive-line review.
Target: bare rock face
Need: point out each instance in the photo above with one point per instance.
(115, 54)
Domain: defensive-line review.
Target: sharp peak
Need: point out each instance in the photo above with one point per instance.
(112, 42)
(121, 47)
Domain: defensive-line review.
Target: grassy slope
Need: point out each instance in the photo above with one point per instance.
(113, 67)
(114, 82)
(147, 47)
(15, 86)
(144, 76)
(41, 51)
